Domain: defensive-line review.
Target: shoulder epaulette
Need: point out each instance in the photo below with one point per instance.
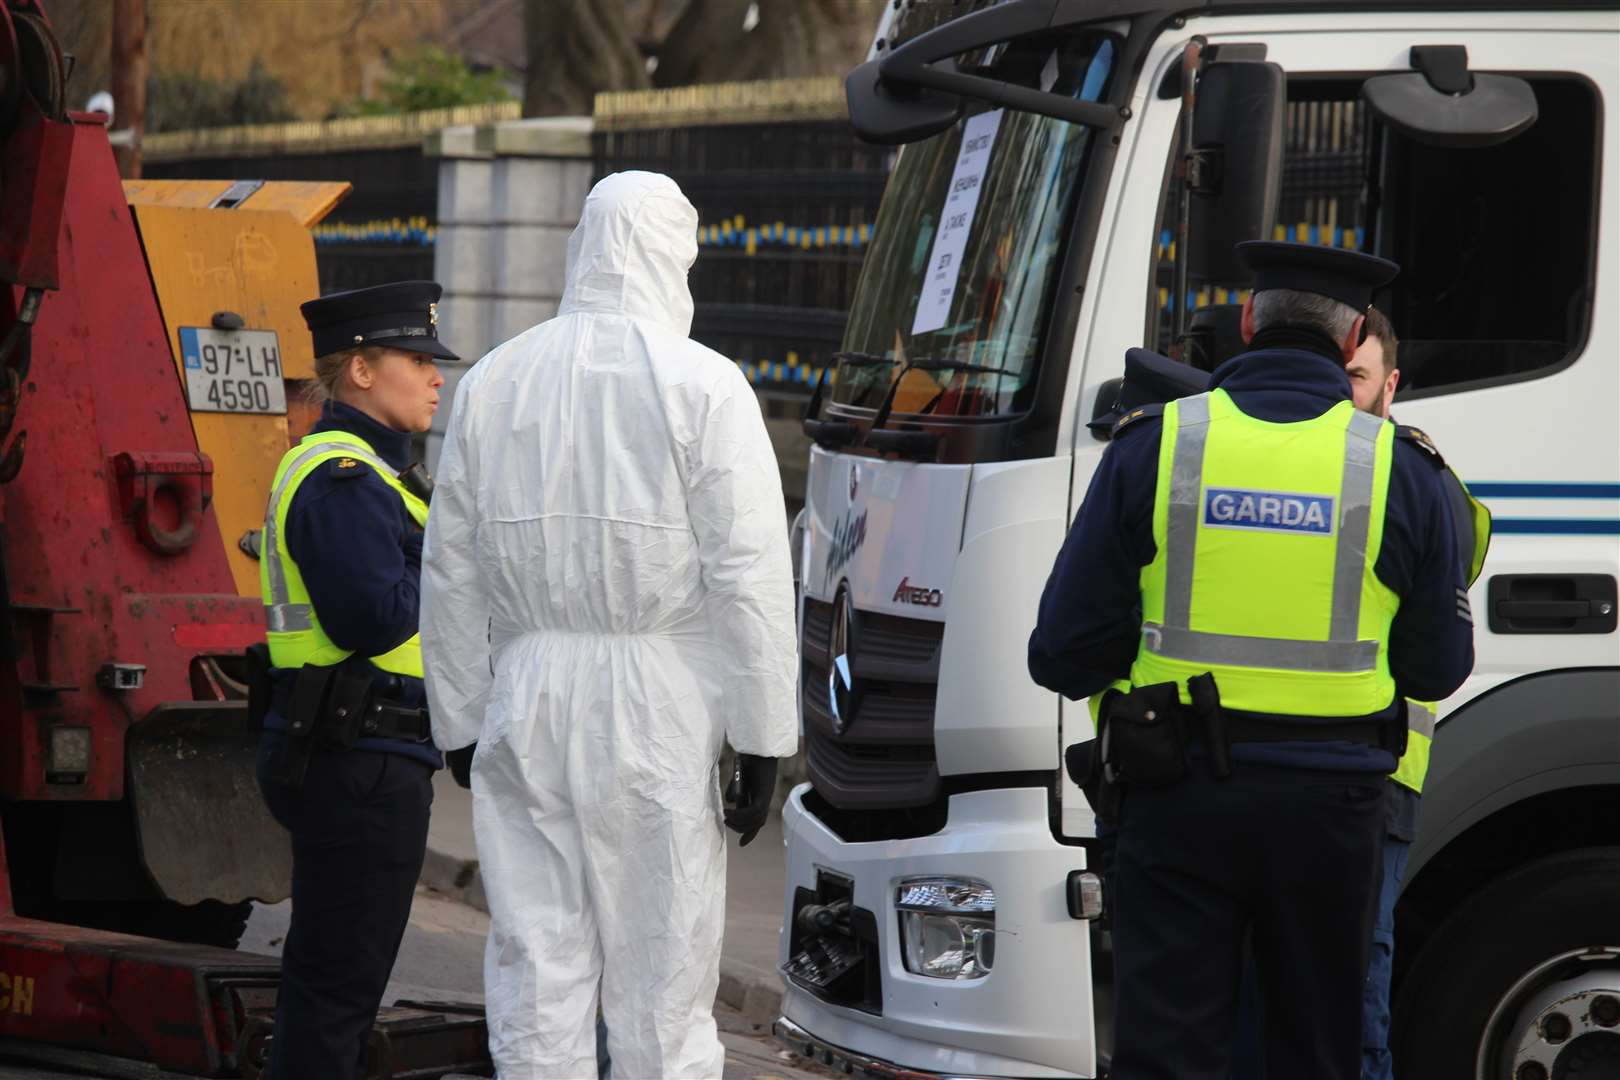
(1139, 413)
(1418, 438)
(346, 468)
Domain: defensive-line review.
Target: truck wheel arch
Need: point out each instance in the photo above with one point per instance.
(1488, 755)
(1528, 769)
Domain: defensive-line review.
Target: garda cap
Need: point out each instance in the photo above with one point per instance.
(1150, 379)
(403, 315)
(1349, 277)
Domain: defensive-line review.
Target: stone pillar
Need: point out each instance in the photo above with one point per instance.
(510, 193)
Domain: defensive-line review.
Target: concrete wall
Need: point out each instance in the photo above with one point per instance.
(509, 195)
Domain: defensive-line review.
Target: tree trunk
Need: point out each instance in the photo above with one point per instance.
(129, 80)
(793, 39)
(577, 48)
(703, 44)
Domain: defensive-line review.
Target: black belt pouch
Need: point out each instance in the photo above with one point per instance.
(1143, 741)
(346, 700)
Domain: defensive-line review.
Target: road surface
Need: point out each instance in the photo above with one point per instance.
(442, 959)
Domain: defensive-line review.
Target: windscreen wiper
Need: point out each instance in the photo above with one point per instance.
(927, 364)
(835, 434)
(863, 360)
(922, 443)
(953, 365)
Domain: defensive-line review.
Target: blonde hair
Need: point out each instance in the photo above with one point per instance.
(329, 371)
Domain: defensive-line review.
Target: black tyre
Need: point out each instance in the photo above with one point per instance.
(1546, 931)
(211, 922)
(123, 899)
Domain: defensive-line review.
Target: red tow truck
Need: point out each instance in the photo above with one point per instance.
(134, 841)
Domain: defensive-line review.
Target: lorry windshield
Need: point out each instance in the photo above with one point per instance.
(958, 282)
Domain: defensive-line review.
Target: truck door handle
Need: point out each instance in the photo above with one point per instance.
(1552, 604)
(1544, 609)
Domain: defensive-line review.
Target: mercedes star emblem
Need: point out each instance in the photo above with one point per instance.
(840, 678)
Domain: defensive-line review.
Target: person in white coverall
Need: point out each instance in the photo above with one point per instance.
(607, 598)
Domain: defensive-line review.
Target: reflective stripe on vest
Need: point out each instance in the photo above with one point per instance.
(1414, 765)
(294, 632)
(1247, 507)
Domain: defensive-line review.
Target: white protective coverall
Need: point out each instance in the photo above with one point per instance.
(607, 596)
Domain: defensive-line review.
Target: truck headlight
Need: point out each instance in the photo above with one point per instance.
(947, 927)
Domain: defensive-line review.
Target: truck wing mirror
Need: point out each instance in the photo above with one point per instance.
(894, 114)
(918, 89)
(1444, 104)
(1234, 173)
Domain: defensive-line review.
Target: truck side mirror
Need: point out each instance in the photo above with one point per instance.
(1442, 103)
(919, 88)
(1235, 174)
(892, 115)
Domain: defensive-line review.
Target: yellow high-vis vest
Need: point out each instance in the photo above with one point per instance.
(292, 629)
(1414, 764)
(1473, 525)
(1266, 535)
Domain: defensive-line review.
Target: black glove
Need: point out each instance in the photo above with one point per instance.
(460, 762)
(751, 788)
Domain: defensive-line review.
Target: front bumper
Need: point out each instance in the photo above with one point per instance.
(800, 1041)
(1031, 1016)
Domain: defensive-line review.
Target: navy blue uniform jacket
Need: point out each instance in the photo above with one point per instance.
(360, 554)
(1090, 619)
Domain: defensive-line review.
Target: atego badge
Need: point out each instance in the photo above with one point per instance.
(920, 595)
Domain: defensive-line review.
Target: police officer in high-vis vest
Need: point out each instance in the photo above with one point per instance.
(347, 757)
(1374, 376)
(1256, 577)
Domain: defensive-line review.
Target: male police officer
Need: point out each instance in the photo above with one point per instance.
(1374, 377)
(1258, 573)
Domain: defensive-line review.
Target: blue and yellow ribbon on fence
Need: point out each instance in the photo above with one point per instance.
(735, 232)
(1302, 233)
(406, 232)
(789, 372)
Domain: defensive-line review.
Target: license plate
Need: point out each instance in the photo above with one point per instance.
(233, 371)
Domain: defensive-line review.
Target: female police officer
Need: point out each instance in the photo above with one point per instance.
(347, 761)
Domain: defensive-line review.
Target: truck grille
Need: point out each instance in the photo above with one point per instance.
(884, 757)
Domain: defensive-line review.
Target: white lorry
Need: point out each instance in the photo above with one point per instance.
(1050, 208)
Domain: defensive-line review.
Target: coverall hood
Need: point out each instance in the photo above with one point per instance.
(630, 253)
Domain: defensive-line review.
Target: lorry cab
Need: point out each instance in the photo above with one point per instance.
(1070, 180)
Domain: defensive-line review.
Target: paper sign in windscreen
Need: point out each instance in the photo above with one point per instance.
(956, 221)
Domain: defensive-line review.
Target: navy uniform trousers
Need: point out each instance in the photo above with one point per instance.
(359, 832)
(1291, 856)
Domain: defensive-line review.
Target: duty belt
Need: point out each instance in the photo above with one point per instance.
(382, 721)
(385, 721)
(1241, 728)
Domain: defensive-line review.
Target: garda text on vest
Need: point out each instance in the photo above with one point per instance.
(1279, 511)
